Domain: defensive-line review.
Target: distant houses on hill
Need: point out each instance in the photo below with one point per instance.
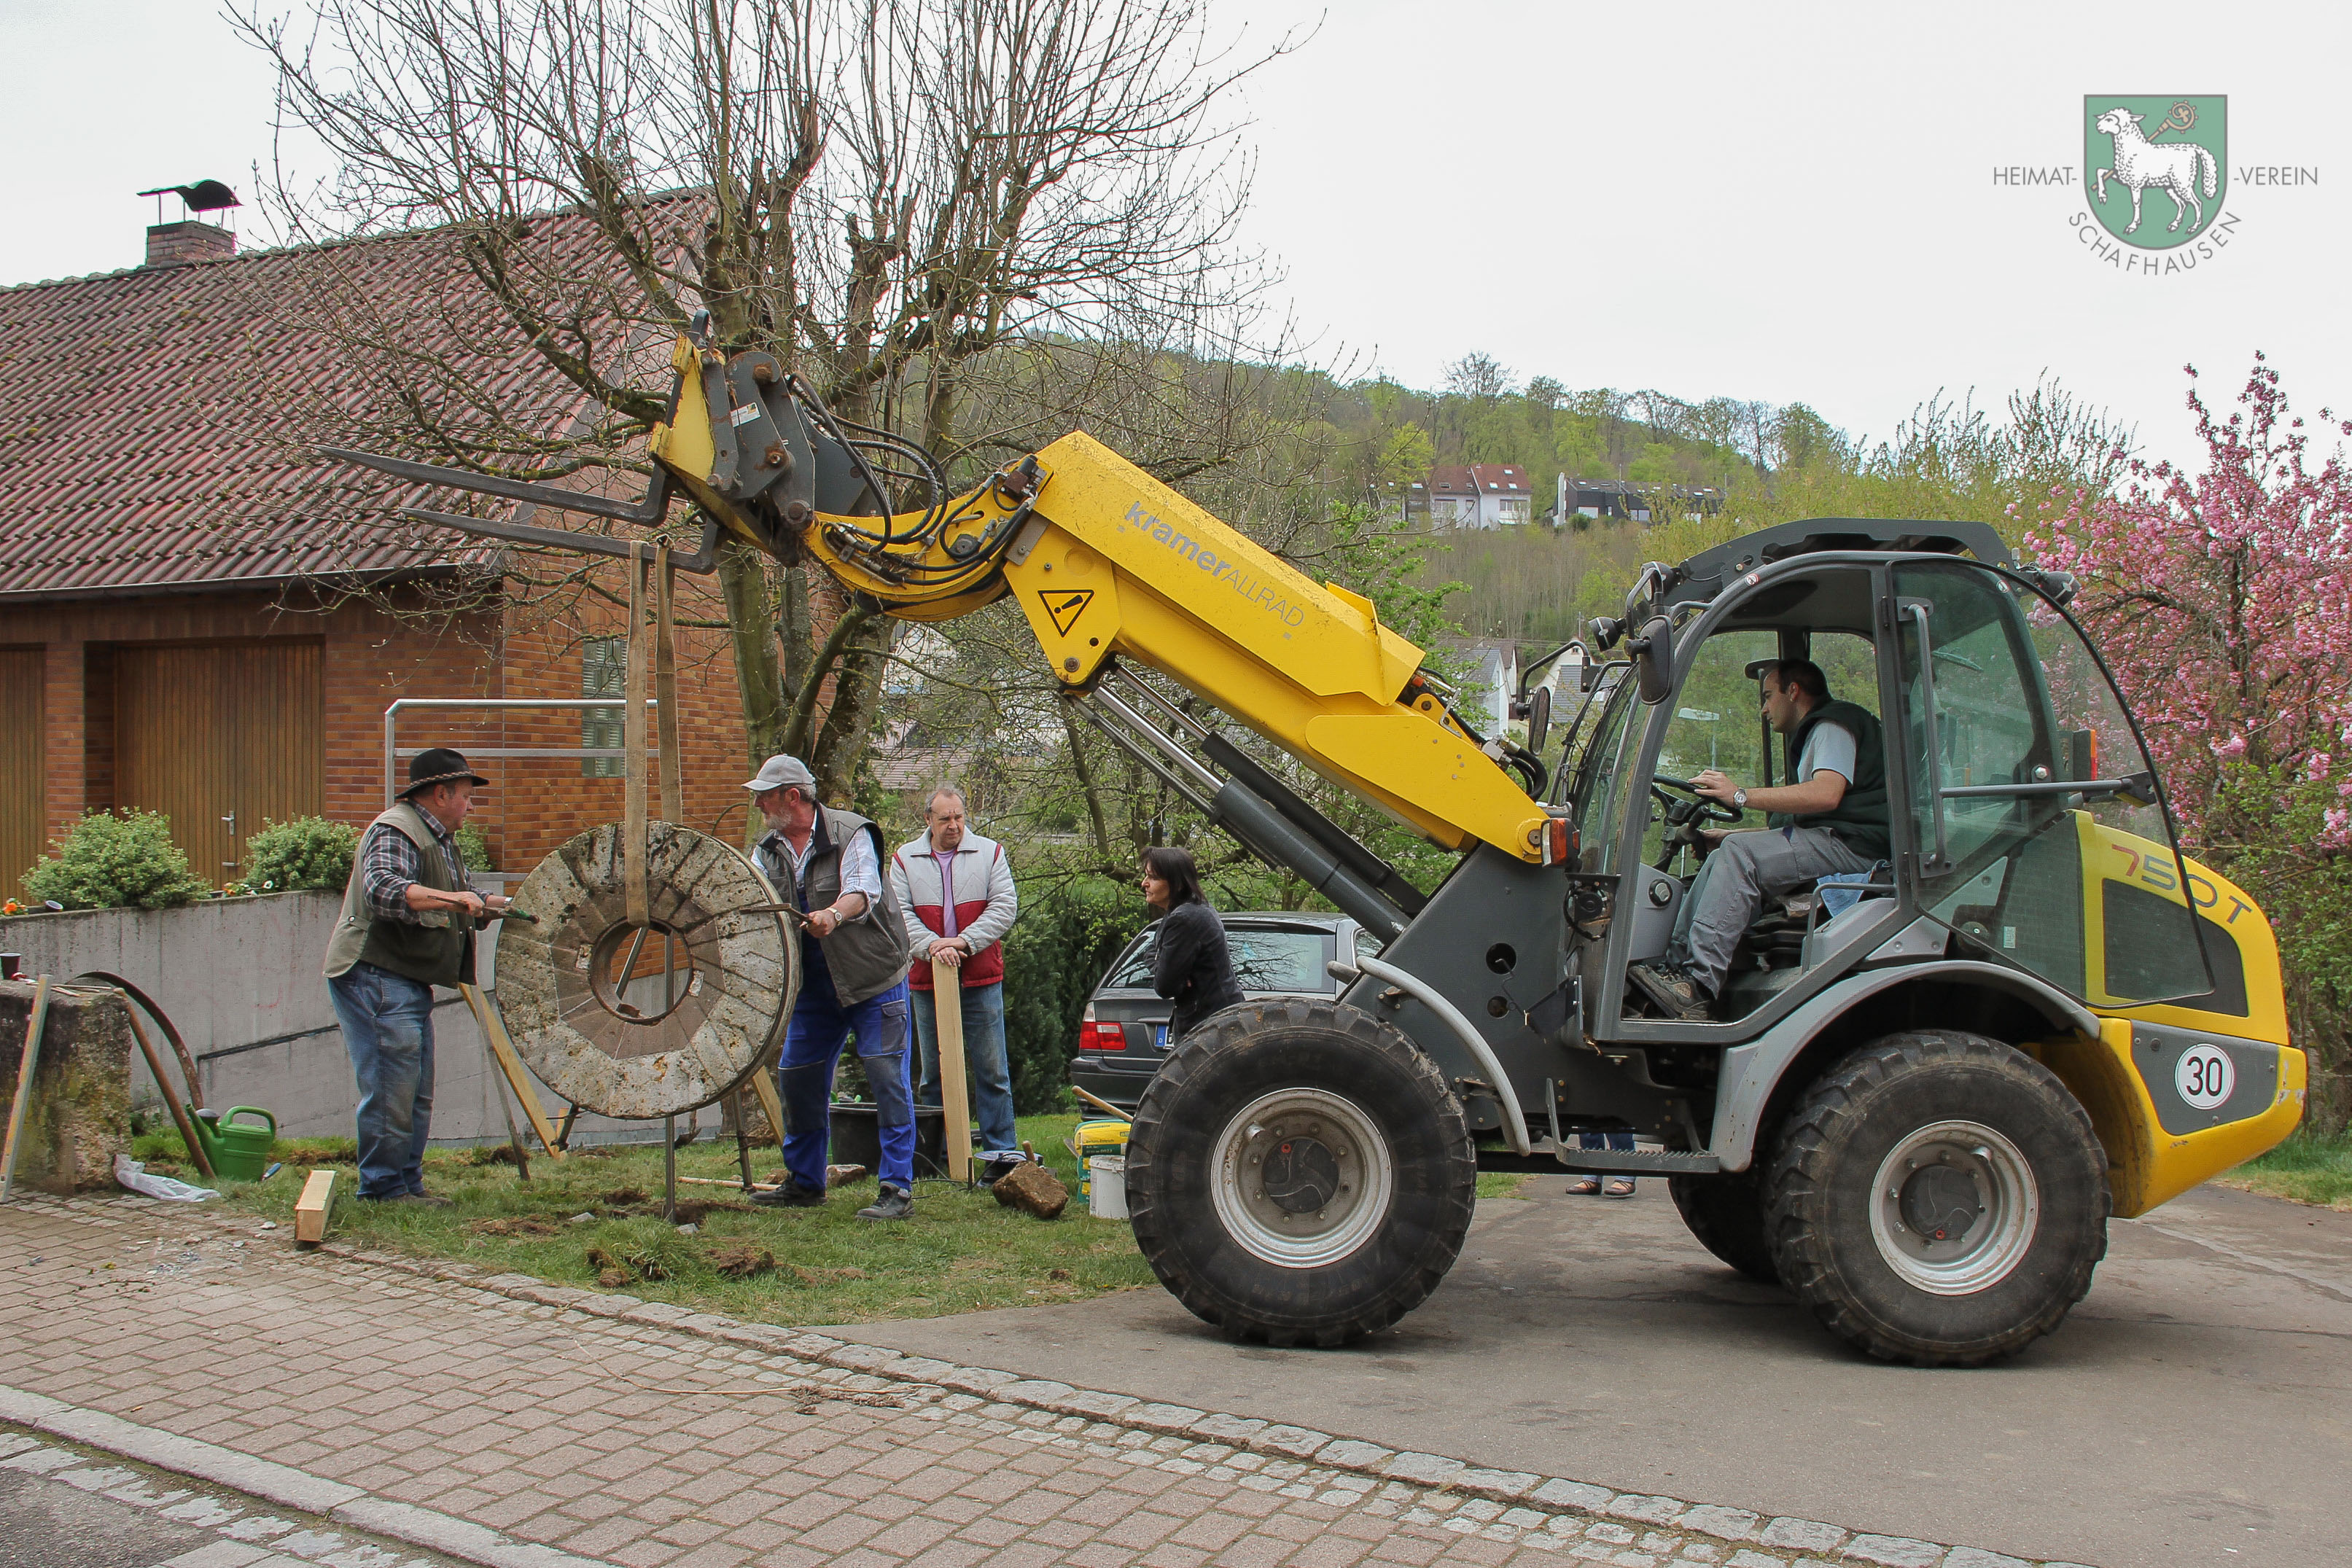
(1498, 495)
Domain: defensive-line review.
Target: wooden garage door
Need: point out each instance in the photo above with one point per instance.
(208, 732)
(21, 798)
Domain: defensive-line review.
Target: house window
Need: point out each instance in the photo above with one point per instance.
(603, 673)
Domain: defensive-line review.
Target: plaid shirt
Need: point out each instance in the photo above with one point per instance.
(392, 862)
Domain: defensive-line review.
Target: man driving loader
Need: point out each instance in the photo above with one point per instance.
(1833, 818)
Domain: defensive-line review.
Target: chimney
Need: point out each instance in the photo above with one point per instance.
(191, 238)
(177, 244)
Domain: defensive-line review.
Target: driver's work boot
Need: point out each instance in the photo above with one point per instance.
(1674, 989)
(892, 1204)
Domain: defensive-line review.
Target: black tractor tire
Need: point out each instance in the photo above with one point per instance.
(1727, 1214)
(1352, 1117)
(1868, 1199)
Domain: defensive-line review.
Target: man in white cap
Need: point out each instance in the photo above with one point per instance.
(853, 983)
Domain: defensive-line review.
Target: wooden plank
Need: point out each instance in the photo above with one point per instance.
(494, 1032)
(26, 1066)
(947, 1007)
(763, 1081)
(315, 1208)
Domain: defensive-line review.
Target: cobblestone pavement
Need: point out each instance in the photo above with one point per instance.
(642, 1435)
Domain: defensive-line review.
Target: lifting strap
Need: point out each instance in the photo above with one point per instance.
(633, 740)
(637, 903)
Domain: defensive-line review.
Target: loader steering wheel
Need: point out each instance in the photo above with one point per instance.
(1696, 810)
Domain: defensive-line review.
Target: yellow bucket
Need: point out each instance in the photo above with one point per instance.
(1097, 1135)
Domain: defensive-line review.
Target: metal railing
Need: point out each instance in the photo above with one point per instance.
(393, 752)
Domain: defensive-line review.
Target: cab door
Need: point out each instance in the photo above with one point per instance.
(2023, 772)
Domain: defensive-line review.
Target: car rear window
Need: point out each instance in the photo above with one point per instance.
(1284, 959)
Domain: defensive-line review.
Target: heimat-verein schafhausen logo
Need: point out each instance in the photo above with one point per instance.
(2155, 175)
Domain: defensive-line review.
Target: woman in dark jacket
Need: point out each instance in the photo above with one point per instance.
(1190, 964)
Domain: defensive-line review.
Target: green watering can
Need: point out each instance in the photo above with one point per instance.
(238, 1151)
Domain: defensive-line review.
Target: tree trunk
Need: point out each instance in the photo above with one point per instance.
(743, 580)
(856, 698)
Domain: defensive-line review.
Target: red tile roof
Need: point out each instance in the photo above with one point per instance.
(145, 437)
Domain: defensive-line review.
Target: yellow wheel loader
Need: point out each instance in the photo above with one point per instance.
(1921, 1088)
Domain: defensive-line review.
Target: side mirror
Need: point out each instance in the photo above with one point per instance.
(1654, 658)
(1538, 717)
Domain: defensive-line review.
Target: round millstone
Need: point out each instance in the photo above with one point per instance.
(638, 1030)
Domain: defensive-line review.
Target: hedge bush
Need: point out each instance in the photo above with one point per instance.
(306, 853)
(117, 861)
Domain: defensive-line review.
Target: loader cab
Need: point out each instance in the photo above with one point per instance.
(2016, 789)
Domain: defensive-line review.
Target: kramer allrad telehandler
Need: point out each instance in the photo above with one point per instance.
(1917, 1096)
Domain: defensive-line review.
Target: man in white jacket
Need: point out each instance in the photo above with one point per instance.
(955, 893)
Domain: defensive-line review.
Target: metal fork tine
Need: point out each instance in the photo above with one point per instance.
(648, 510)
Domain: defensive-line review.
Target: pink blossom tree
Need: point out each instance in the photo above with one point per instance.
(2222, 600)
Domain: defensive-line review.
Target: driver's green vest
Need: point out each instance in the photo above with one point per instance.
(1860, 816)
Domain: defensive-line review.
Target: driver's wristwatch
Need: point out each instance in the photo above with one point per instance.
(1739, 798)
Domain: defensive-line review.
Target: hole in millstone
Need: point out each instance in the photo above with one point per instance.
(641, 974)
(1497, 1006)
(1502, 957)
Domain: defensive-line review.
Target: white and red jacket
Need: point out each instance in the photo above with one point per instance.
(982, 897)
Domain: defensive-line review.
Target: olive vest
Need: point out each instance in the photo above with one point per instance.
(1859, 818)
(866, 955)
(440, 948)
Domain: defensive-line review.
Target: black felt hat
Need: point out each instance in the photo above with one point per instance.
(438, 766)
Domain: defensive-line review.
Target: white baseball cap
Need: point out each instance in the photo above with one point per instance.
(779, 773)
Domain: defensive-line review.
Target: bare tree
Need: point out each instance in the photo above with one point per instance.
(1478, 374)
(887, 194)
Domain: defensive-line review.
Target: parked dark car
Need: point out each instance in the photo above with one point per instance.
(1124, 1033)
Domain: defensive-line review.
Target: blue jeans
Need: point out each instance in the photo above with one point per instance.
(1608, 1140)
(387, 1022)
(813, 1042)
(983, 1055)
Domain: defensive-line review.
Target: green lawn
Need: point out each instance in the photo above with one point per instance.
(962, 1251)
(2307, 1168)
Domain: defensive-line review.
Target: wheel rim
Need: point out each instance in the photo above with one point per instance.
(1954, 1209)
(1303, 1178)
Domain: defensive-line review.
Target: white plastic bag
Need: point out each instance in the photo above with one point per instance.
(133, 1175)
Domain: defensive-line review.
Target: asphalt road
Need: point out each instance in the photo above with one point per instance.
(2193, 1410)
(46, 1523)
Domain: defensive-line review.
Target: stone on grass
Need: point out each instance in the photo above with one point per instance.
(1033, 1188)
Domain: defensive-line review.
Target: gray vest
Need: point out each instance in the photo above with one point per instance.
(440, 948)
(865, 955)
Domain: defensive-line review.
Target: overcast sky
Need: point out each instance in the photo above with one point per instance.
(1792, 203)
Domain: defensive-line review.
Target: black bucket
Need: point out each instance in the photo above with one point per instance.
(856, 1137)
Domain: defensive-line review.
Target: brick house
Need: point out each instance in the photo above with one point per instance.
(196, 618)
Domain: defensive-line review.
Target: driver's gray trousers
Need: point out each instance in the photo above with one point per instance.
(1733, 883)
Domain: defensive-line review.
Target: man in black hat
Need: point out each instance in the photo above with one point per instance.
(407, 926)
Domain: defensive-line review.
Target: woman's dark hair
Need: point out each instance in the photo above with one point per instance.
(1175, 867)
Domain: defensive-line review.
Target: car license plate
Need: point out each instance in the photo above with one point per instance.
(1159, 1037)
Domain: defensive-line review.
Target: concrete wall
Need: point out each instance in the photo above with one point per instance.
(240, 978)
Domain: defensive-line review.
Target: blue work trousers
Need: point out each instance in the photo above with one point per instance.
(983, 1055)
(387, 1022)
(813, 1043)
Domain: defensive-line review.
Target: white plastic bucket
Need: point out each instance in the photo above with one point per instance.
(1107, 1186)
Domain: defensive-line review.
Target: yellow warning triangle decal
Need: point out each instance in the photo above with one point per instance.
(1064, 606)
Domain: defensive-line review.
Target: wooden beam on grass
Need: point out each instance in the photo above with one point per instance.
(315, 1209)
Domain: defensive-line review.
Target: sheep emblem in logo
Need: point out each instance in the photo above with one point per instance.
(2183, 168)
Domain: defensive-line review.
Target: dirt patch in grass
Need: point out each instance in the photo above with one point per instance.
(962, 1251)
